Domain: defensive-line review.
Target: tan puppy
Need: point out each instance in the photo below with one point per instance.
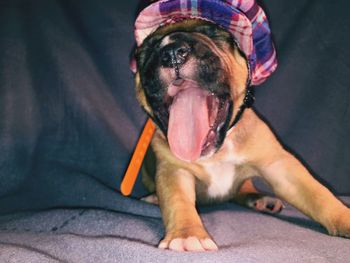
(192, 80)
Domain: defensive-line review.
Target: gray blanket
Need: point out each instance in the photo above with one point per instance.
(92, 235)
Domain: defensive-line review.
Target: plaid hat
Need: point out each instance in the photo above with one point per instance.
(244, 19)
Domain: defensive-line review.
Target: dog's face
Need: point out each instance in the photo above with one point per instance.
(190, 76)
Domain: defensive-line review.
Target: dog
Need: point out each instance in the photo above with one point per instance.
(193, 80)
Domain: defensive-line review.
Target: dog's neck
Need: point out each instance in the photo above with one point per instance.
(248, 102)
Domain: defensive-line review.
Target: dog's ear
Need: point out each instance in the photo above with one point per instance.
(141, 96)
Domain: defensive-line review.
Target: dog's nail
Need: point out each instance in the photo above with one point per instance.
(176, 244)
(193, 244)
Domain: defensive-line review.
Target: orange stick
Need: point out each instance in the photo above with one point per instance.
(137, 158)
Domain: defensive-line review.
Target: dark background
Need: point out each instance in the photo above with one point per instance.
(69, 120)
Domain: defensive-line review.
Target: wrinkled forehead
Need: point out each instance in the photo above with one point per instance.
(182, 37)
(186, 29)
(199, 43)
(169, 39)
(176, 37)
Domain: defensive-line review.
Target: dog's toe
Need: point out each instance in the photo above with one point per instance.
(152, 199)
(209, 244)
(260, 202)
(177, 244)
(191, 243)
(267, 204)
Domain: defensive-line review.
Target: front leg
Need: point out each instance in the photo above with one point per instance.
(292, 182)
(184, 230)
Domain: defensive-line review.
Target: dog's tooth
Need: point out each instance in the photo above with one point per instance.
(220, 126)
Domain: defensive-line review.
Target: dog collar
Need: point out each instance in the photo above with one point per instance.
(245, 20)
(248, 102)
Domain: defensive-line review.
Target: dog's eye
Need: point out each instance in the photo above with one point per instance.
(165, 58)
(183, 52)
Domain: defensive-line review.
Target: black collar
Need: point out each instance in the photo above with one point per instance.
(248, 102)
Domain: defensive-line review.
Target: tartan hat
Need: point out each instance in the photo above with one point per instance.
(244, 19)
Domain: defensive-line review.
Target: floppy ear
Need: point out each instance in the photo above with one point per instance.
(140, 95)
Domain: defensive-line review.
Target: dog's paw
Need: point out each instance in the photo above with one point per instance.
(342, 225)
(189, 244)
(188, 241)
(152, 199)
(266, 204)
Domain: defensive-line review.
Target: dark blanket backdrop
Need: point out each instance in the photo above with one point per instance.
(69, 120)
(69, 123)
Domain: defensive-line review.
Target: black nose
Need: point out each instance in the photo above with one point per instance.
(174, 55)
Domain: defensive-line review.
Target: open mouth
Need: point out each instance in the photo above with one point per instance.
(198, 120)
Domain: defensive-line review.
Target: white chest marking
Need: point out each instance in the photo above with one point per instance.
(222, 176)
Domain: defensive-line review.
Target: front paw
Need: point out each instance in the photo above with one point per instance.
(342, 225)
(188, 239)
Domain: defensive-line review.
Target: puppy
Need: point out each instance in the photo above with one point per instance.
(192, 79)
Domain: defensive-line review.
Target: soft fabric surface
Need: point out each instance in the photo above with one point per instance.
(69, 122)
(88, 235)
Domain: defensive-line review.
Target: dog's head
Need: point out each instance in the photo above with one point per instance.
(191, 78)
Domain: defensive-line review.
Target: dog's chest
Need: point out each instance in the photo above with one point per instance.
(222, 174)
(221, 178)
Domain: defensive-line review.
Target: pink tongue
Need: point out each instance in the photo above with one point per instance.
(188, 123)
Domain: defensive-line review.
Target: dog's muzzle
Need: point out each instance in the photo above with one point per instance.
(174, 55)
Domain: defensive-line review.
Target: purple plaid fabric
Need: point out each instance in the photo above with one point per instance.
(243, 18)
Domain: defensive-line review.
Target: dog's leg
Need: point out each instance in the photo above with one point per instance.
(249, 196)
(184, 230)
(292, 182)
